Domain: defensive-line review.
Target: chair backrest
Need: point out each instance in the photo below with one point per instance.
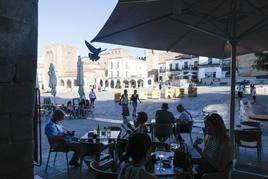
(76, 101)
(59, 146)
(251, 123)
(101, 172)
(248, 136)
(160, 145)
(162, 131)
(184, 127)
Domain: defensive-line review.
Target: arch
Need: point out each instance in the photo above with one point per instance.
(118, 84)
(106, 83)
(69, 84)
(112, 84)
(140, 83)
(149, 82)
(101, 83)
(61, 82)
(133, 83)
(75, 83)
(126, 83)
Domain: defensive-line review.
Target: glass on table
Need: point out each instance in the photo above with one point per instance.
(160, 156)
(174, 146)
(108, 133)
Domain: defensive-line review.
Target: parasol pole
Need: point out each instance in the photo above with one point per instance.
(233, 42)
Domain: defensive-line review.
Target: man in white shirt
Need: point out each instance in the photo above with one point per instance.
(92, 97)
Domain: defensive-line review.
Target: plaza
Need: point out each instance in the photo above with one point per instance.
(107, 112)
(52, 57)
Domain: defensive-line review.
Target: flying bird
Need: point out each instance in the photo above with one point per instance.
(94, 55)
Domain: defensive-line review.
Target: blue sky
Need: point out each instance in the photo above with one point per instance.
(73, 21)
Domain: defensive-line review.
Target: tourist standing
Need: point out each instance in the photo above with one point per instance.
(134, 100)
(253, 94)
(92, 97)
(239, 92)
(124, 103)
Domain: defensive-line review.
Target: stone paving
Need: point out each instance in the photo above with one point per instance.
(107, 112)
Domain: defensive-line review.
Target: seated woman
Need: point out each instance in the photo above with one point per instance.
(139, 151)
(218, 150)
(70, 109)
(141, 120)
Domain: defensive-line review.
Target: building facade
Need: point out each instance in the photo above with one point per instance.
(64, 58)
(180, 68)
(210, 71)
(125, 71)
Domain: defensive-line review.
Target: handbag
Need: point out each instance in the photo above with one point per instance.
(182, 158)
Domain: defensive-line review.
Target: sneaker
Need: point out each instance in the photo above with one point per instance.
(75, 164)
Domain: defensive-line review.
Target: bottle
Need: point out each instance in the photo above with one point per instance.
(98, 130)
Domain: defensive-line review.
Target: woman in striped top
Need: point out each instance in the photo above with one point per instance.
(218, 150)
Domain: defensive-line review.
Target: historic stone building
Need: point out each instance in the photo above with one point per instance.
(115, 69)
(64, 58)
(123, 70)
(154, 58)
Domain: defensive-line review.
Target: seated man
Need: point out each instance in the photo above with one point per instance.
(163, 116)
(58, 134)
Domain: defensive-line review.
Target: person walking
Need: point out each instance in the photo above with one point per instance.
(134, 100)
(124, 103)
(92, 97)
(253, 94)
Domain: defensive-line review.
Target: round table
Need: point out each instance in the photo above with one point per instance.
(164, 170)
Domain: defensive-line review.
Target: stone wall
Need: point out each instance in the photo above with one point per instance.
(18, 61)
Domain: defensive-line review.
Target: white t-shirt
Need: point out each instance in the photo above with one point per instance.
(92, 95)
(253, 93)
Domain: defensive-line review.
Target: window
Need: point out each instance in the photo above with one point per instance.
(209, 61)
(117, 65)
(111, 65)
(117, 74)
(126, 73)
(112, 75)
(170, 66)
(186, 65)
(177, 66)
(195, 63)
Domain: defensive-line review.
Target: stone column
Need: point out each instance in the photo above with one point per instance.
(18, 64)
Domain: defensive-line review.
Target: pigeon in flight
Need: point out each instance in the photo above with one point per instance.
(94, 55)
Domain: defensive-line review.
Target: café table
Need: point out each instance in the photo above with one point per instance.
(164, 167)
(103, 138)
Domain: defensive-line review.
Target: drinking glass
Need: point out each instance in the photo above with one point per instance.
(161, 156)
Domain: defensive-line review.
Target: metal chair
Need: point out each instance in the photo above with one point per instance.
(249, 139)
(57, 147)
(162, 132)
(251, 123)
(185, 128)
(90, 151)
(100, 170)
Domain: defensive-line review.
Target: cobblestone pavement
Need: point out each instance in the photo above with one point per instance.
(107, 113)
